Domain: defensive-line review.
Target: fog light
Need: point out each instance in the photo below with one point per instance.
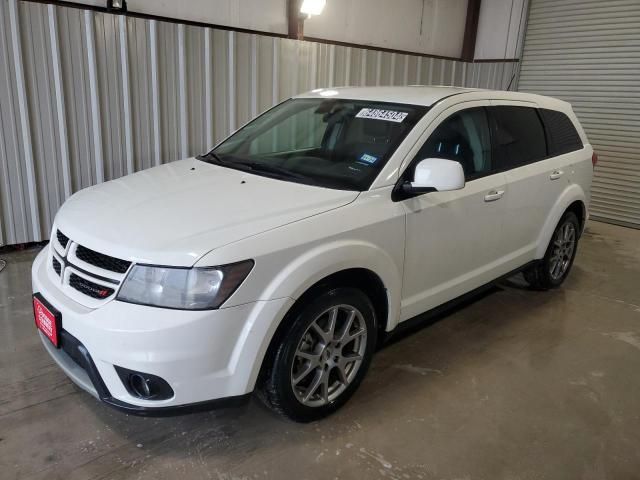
(140, 385)
(144, 385)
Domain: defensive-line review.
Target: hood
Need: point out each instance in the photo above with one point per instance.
(175, 213)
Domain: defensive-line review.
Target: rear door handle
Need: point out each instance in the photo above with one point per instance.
(556, 174)
(493, 195)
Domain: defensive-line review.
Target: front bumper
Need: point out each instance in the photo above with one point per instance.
(75, 360)
(205, 356)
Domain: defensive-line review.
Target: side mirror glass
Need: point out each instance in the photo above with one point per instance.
(435, 175)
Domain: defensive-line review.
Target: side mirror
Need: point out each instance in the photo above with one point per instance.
(434, 175)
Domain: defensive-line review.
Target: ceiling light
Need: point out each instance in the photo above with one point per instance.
(312, 7)
(120, 5)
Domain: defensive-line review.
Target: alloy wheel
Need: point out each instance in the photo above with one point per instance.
(564, 243)
(329, 355)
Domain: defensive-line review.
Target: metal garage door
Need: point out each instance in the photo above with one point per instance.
(588, 53)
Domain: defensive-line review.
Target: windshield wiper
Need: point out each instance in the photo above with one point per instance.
(266, 168)
(249, 166)
(211, 157)
(215, 159)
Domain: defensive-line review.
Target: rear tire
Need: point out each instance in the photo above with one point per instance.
(554, 267)
(323, 357)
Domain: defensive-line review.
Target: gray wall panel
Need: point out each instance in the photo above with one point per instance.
(220, 107)
(16, 194)
(195, 79)
(169, 97)
(107, 95)
(37, 70)
(141, 97)
(14, 206)
(74, 67)
(111, 88)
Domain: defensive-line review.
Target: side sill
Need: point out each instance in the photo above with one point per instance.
(435, 313)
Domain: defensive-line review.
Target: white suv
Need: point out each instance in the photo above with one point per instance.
(280, 259)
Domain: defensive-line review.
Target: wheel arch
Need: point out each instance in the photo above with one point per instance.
(572, 199)
(579, 208)
(361, 278)
(346, 262)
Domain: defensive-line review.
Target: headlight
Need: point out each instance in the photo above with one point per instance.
(183, 288)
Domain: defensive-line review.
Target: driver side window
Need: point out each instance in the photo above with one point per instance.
(465, 138)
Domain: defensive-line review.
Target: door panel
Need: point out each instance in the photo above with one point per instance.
(452, 243)
(532, 194)
(534, 182)
(453, 238)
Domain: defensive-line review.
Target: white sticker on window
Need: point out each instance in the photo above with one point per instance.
(379, 114)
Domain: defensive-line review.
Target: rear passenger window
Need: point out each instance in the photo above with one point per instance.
(520, 135)
(562, 135)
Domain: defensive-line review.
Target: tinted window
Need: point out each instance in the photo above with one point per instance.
(328, 142)
(520, 136)
(465, 138)
(561, 133)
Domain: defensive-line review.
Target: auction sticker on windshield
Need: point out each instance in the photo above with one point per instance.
(379, 114)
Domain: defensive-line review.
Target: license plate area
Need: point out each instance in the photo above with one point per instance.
(48, 319)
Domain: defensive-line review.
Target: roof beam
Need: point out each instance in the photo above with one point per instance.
(295, 20)
(470, 31)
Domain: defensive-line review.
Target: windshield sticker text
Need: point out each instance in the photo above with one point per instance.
(368, 159)
(378, 114)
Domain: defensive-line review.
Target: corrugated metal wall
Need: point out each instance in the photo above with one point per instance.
(86, 97)
(588, 53)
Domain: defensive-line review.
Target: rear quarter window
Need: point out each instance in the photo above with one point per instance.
(520, 136)
(561, 133)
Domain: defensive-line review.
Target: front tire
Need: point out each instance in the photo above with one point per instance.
(554, 267)
(323, 357)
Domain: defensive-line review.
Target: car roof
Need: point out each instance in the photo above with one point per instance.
(415, 95)
(421, 94)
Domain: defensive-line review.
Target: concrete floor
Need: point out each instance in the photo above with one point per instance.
(517, 385)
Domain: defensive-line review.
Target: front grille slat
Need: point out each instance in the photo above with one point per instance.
(91, 289)
(101, 260)
(63, 240)
(56, 266)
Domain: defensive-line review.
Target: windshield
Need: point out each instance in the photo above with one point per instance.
(339, 144)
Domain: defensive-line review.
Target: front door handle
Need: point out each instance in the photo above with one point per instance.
(556, 174)
(493, 195)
